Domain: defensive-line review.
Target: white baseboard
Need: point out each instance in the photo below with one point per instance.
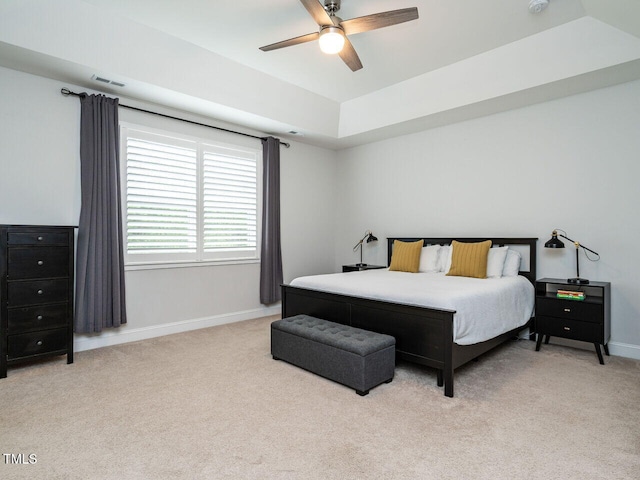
(124, 334)
(624, 350)
(618, 349)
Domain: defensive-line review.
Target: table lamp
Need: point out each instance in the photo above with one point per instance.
(368, 237)
(555, 242)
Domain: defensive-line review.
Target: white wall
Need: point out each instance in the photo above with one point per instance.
(39, 152)
(570, 163)
(40, 184)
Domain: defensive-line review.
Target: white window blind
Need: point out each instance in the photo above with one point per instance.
(230, 200)
(187, 200)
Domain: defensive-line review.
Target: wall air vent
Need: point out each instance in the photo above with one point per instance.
(106, 80)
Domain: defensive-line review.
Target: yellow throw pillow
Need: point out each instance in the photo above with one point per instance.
(406, 256)
(469, 259)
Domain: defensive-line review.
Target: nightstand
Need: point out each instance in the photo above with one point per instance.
(587, 320)
(359, 267)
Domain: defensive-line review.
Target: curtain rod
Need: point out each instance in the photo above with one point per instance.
(66, 92)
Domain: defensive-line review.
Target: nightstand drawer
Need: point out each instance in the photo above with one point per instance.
(566, 328)
(37, 237)
(35, 343)
(37, 292)
(21, 320)
(572, 309)
(41, 262)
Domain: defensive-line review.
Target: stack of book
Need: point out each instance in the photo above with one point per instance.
(570, 295)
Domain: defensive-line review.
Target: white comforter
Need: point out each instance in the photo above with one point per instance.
(484, 308)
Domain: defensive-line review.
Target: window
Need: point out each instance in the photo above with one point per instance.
(188, 199)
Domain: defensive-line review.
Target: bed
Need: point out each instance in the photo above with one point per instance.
(424, 334)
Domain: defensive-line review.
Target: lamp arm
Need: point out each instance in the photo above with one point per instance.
(577, 244)
(359, 244)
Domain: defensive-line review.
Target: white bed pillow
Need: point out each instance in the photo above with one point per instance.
(495, 261)
(444, 258)
(511, 264)
(429, 259)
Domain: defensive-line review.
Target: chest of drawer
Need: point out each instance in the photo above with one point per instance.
(567, 328)
(570, 309)
(37, 237)
(36, 343)
(37, 292)
(26, 319)
(37, 262)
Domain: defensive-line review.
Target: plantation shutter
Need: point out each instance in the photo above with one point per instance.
(229, 201)
(162, 195)
(189, 200)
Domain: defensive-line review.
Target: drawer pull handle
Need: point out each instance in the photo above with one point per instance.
(40, 239)
(39, 317)
(567, 309)
(40, 292)
(567, 329)
(40, 262)
(39, 343)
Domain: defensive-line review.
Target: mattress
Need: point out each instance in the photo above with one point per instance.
(484, 308)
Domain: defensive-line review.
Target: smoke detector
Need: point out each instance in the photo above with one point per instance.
(536, 6)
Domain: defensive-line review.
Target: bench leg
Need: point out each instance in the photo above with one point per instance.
(361, 393)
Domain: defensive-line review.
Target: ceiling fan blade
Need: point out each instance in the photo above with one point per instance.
(309, 37)
(349, 56)
(317, 11)
(379, 20)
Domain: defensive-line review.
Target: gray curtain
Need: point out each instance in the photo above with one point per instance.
(100, 293)
(271, 256)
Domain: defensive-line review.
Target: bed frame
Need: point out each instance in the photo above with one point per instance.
(423, 335)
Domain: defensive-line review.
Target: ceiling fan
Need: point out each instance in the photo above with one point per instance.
(333, 32)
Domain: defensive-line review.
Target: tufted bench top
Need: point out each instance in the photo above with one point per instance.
(344, 337)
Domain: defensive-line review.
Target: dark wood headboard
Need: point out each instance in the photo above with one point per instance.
(527, 253)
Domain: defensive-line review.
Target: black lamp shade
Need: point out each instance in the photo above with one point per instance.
(554, 242)
(372, 238)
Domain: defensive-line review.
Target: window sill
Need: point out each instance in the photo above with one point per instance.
(134, 266)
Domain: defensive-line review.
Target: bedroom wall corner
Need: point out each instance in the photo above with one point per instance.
(308, 210)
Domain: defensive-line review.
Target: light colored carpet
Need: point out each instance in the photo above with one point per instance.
(213, 404)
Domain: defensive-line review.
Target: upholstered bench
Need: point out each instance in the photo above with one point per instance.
(353, 357)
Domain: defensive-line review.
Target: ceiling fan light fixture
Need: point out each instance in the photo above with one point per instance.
(331, 39)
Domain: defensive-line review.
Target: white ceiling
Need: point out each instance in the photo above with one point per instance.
(408, 68)
(446, 32)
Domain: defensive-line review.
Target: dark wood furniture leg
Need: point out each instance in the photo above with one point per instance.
(606, 349)
(538, 342)
(597, 345)
(448, 381)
